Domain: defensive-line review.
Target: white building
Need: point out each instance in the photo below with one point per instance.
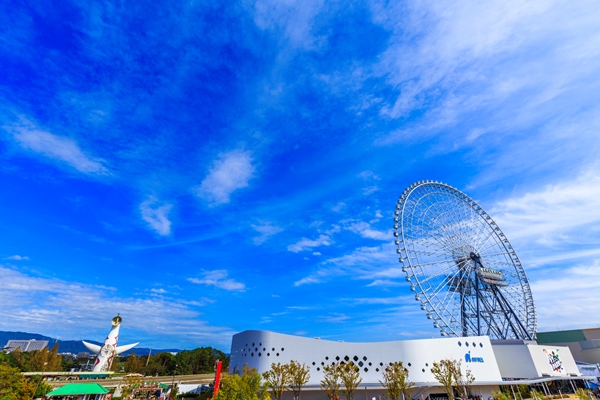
(491, 363)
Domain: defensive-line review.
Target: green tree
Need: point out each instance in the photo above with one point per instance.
(277, 378)
(299, 376)
(396, 383)
(13, 384)
(41, 386)
(332, 380)
(134, 364)
(19, 360)
(350, 376)
(54, 359)
(160, 364)
(247, 386)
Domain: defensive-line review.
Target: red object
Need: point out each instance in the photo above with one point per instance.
(218, 365)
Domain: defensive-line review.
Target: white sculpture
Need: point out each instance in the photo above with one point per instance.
(109, 350)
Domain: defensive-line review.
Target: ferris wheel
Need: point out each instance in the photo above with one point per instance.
(460, 265)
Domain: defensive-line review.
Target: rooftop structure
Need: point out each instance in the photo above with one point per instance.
(584, 343)
(25, 345)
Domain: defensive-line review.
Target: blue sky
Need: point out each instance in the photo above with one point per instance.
(204, 168)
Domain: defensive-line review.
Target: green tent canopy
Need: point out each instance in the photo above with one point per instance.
(73, 389)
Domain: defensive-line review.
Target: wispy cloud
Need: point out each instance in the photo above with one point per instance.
(266, 231)
(230, 172)
(17, 257)
(156, 215)
(558, 297)
(364, 263)
(218, 279)
(307, 244)
(365, 230)
(558, 208)
(35, 304)
(291, 20)
(335, 318)
(33, 138)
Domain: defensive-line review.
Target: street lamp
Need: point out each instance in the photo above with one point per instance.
(40, 381)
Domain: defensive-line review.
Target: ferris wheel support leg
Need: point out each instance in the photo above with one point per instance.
(503, 303)
(477, 300)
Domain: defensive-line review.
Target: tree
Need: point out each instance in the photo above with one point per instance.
(134, 364)
(332, 380)
(350, 376)
(395, 381)
(54, 359)
(277, 378)
(299, 376)
(450, 375)
(247, 386)
(13, 384)
(41, 386)
(462, 381)
(160, 364)
(130, 383)
(443, 371)
(200, 360)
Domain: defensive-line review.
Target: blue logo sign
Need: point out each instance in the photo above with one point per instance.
(469, 359)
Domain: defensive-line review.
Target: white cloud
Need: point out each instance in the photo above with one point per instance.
(218, 279)
(338, 207)
(288, 19)
(56, 147)
(156, 216)
(35, 304)
(230, 172)
(364, 263)
(365, 230)
(556, 209)
(334, 318)
(266, 231)
(568, 298)
(368, 175)
(507, 74)
(370, 190)
(307, 244)
(384, 282)
(316, 253)
(17, 257)
(158, 291)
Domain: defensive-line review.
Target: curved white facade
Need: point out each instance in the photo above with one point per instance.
(260, 349)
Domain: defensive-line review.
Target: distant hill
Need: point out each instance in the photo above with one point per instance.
(70, 346)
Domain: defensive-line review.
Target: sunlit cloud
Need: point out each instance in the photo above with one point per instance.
(156, 215)
(17, 257)
(60, 148)
(265, 231)
(35, 304)
(230, 172)
(307, 244)
(218, 279)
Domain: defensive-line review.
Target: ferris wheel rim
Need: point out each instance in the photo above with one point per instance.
(411, 263)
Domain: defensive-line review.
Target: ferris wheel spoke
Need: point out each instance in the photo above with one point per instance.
(440, 228)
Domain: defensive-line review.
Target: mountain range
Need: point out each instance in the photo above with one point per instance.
(71, 346)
